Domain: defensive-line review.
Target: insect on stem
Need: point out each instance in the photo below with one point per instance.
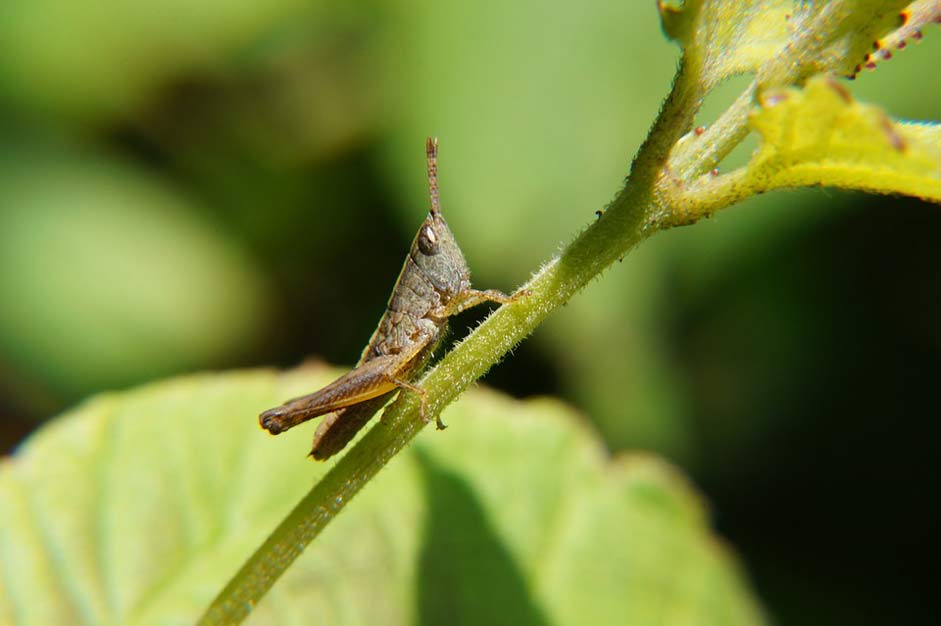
(433, 286)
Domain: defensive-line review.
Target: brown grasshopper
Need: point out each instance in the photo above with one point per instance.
(434, 284)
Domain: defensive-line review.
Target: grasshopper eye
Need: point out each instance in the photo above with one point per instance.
(428, 241)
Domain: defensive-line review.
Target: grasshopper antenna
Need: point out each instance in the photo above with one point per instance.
(431, 151)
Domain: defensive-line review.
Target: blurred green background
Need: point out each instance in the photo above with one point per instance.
(189, 186)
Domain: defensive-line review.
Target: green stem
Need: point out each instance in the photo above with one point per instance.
(707, 194)
(623, 225)
(705, 152)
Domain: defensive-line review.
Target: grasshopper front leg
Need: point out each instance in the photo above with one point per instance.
(469, 298)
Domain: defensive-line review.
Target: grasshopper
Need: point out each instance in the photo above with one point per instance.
(434, 285)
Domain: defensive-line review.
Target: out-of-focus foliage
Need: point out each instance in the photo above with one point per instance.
(564, 535)
(112, 277)
(105, 59)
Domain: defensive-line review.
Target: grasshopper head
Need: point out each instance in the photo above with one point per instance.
(435, 251)
(438, 256)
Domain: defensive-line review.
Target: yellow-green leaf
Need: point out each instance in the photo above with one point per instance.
(774, 37)
(137, 507)
(729, 37)
(821, 136)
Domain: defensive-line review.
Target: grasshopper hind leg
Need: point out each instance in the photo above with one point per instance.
(285, 417)
(359, 385)
(339, 428)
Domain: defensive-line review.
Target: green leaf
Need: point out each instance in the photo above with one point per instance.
(137, 507)
(821, 136)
